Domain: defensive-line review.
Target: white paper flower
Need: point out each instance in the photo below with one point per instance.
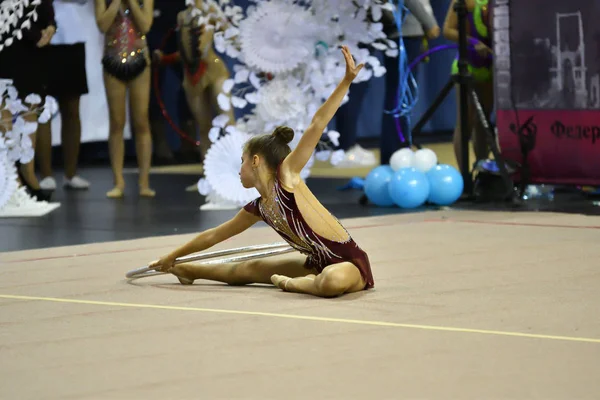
(213, 134)
(277, 36)
(33, 99)
(224, 102)
(281, 100)
(221, 120)
(288, 63)
(337, 156)
(15, 142)
(8, 178)
(323, 155)
(222, 166)
(334, 136)
(203, 187)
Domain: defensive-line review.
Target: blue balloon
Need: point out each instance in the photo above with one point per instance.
(376, 186)
(446, 184)
(409, 188)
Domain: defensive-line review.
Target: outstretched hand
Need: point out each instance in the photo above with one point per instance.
(351, 69)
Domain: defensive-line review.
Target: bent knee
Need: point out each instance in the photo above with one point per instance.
(334, 282)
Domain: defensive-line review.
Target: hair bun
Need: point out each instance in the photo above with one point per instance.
(284, 133)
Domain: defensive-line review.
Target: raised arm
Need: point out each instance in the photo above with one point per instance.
(451, 23)
(143, 17)
(210, 237)
(106, 15)
(451, 32)
(298, 158)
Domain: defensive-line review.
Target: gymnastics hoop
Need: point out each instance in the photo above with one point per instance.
(264, 250)
(411, 66)
(163, 109)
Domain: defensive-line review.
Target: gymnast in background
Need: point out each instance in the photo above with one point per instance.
(329, 263)
(126, 63)
(204, 71)
(480, 67)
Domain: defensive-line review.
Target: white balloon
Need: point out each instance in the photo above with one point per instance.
(403, 158)
(425, 159)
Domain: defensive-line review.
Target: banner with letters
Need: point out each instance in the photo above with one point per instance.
(547, 87)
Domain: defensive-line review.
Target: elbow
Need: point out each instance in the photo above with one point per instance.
(102, 26)
(448, 33)
(145, 28)
(146, 24)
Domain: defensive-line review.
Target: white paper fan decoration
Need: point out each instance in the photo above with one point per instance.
(280, 101)
(277, 36)
(222, 166)
(8, 176)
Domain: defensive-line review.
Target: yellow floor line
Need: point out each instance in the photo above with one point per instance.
(305, 317)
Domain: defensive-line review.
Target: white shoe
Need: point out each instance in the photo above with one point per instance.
(76, 182)
(48, 183)
(357, 157)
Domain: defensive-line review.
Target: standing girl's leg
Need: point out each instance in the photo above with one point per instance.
(139, 103)
(116, 92)
(27, 171)
(43, 152)
(71, 138)
(199, 104)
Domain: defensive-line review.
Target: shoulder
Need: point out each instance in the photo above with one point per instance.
(253, 207)
(286, 177)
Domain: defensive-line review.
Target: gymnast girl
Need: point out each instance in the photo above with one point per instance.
(204, 71)
(126, 63)
(480, 67)
(329, 262)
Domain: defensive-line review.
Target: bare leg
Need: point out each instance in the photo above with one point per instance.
(43, 149)
(116, 92)
(70, 133)
(243, 273)
(28, 170)
(485, 93)
(200, 107)
(335, 280)
(139, 104)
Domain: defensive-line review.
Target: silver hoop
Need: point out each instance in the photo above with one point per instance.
(265, 250)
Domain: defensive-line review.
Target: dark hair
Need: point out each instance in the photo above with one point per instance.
(273, 147)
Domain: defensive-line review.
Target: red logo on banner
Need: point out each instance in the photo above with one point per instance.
(563, 145)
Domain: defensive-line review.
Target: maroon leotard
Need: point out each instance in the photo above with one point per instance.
(319, 250)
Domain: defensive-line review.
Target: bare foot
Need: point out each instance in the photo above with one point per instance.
(280, 281)
(147, 192)
(115, 193)
(182, 274)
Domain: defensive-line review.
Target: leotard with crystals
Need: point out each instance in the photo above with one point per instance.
(284, 216)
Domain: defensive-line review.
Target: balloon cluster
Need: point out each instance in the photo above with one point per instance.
(412, 179)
